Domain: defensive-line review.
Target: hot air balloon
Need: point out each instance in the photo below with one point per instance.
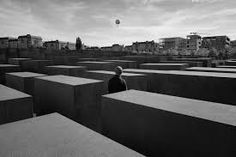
(117, 22)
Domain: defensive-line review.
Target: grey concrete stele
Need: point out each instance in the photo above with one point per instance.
(98, 65)
(53, 136)
(208, 69)
(37, 66)
(209, 86)
(227, 66)
(230, 62)
(72, 60)
(161, 125)
(14, 105)
(190, 63)
(66, 70)
(145, 59)
(76, 98)
(124, 63)
(134, 81)
(17, 61)
(164, 66)
(6, 68)
(22, 81)
(205, 61)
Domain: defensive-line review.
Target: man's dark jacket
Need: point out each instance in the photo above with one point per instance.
(116, 84)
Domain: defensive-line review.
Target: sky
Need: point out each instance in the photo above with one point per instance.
(94, 20)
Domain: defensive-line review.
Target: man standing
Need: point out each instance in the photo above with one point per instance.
(117, 83)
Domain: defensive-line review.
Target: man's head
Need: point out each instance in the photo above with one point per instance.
(118, 70)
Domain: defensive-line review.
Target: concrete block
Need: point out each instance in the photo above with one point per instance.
(216, 63)
(58, 60)
(209, 86)
(76, 98)
(124, 63)
(206, 61)
(66, 70)
(162, 125)
(72, 60)
(17, 61)
(134, 81)
(164, 66)
(227, 66)
(22, 81)
(97, 65)
(37, 66)
(3, 57)
(208, 69)
(230, 62)
(5, 68)
(53, 136)
(14, 105)
(190, 63)
(145, 59)
(88, 59)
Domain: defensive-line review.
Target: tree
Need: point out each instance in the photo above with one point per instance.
(232, 52)
(213, 53)
(203, 52)
(172, 52)
(78, 44)
(185, 52)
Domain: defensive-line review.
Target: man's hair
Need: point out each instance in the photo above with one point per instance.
(118, 70)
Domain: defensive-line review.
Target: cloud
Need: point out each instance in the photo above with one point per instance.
(94, 20)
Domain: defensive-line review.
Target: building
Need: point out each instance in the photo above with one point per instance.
(106, 48)
(4, 42)
(128, 48)
(194, 42)
(220, 43)
(59, 45)
(117, 47)
(13, 43)
(93, 48)
(175, 43)
(29, 41)
(233, 43)
(182, 45)
(145, 47)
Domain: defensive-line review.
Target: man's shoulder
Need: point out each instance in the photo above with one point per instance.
(113, 78)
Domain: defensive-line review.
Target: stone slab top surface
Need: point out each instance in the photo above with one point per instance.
(20, 59)
(69, 80)
(227, 66)
(88, 58)
(141, 56)
(8, 65)
(113, 73)
(179, 72)
(41, 60)
(192, 58)
(216, 112)
(212, 69)
(26, 74)
(176, 61)
(66, 67)
(7, 93)
(95, 62)
(125, 61)
(231, 61)
(54, 135)
(166, 64)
